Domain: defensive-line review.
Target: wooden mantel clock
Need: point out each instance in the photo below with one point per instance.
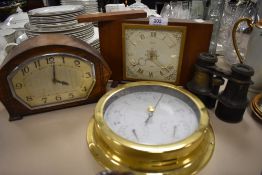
(51, 72)
(135, 50)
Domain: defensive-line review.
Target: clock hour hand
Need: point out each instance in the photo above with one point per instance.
(62, 82)
(56, 80)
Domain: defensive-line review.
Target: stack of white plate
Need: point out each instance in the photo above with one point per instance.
(55, 15)
(91, 6)
(96, 44)
(94, 41)
(82, 31)
(58, 20)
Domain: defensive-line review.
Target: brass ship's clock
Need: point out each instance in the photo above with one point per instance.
(151, 127)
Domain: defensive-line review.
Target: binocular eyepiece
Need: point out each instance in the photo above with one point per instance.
(206, 82)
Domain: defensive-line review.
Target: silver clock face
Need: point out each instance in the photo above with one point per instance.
(152, 115)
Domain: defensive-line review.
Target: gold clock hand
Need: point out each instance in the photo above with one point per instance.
(152, 109)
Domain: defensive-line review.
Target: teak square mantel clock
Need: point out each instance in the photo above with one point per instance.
(135, 50)
(152, 52)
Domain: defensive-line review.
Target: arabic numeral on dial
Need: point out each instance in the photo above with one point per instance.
(77, 63)
(50, 60)
(44, 99)
(25, 70)
(29, 98)
(18, 85)
(58, 98)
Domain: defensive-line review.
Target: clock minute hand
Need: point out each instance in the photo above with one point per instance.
(54, 74)
(151, 110)
(152, 56)
(155, 61)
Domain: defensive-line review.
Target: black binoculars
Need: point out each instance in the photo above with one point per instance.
(206, 82)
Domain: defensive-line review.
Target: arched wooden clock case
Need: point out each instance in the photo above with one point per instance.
(57, 45)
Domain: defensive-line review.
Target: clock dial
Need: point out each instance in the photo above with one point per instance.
(151, 118)
(52, 79)
(152, 52)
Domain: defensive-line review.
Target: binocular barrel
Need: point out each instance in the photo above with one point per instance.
(208, 78)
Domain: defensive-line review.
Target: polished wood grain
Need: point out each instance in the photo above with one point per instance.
(44, 44)
(119, 15)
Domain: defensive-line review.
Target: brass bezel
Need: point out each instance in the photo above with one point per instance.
(181, 29)
(117, 153)
(255, 107)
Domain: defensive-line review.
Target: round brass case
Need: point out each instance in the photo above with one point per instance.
(187, 156)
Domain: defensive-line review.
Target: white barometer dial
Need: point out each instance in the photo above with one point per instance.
(151, 118)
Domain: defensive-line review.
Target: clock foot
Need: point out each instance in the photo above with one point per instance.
(14, 117)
